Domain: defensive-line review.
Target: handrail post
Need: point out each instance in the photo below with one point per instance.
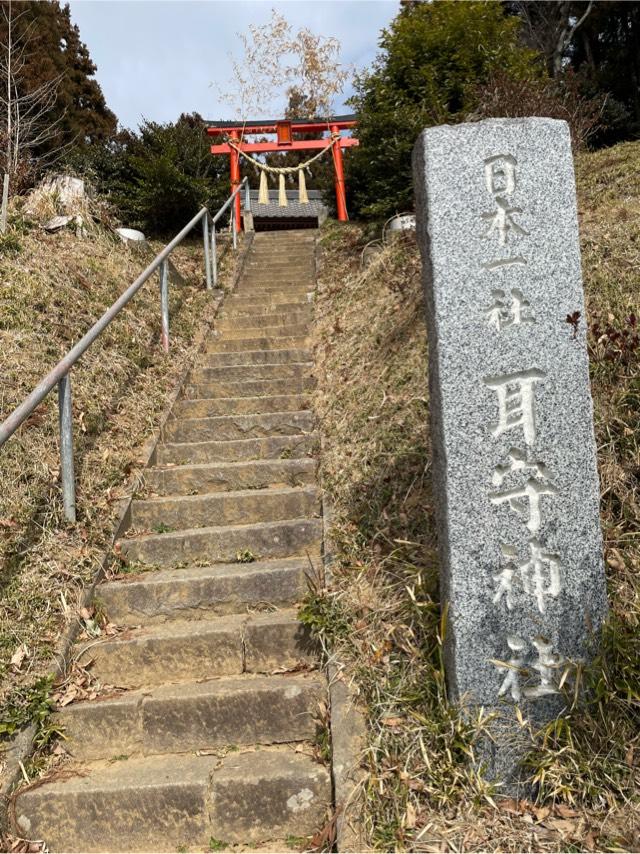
(214, 255)
(67, 475)
(164, 303)
(233, 226)
(207, 259)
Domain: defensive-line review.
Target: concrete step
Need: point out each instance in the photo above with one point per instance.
(292, 362)
(238, 305)
(230, 330)
(293, 252)
(294, 446)
(262, 540)
(241, 507)
(252, 387)
(185, 717)
(195, 650)
(265, 319)
(245, 345)
(239, 426)
(209, 407)
(282, 251)
(216, 477)
(179, 803)
(260, 285)
(275, 264)
(200, 591)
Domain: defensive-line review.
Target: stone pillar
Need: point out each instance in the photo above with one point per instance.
(516, 485)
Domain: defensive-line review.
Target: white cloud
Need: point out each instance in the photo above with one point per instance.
(159, 58)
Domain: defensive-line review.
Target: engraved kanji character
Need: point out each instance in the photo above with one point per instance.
(507, 311)
(547, 665)
(504, 578)
(541, 574)
(502, 221)
(512, 668)
(524, 500)
(516, 405)
(500, 174)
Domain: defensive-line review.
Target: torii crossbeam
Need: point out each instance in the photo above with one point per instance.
(285, 141)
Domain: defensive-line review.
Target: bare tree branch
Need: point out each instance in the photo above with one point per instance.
(24, 113)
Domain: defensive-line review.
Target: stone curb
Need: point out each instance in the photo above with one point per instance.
(348, 729)
(21, 746)
(348, 725)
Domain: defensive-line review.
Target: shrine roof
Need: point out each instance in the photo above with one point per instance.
(258, 123)
(270, 125)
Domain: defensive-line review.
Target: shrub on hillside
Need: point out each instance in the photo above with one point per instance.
(158, 177)
(503, 95)
(434, 56)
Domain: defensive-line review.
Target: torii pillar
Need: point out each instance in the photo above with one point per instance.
(286, 141)
(234, 166)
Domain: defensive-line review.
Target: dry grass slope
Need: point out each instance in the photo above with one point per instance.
(382, 611)
(52, 289)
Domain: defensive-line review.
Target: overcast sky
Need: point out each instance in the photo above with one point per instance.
(159, 58)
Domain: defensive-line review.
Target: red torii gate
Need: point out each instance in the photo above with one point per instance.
(286, 141)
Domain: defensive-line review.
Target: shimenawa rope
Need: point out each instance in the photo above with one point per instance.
(281, 171)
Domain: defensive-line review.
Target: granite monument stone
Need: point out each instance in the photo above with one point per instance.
(515, 476)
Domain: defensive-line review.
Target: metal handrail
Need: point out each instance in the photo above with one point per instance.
(60, 375)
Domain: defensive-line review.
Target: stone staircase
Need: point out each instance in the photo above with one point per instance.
(211, 743)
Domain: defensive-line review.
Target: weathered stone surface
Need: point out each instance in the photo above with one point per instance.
(248, 373)
(102, 729)
(201, 590)
(247, 345)
(244, 710)
(250, 474)
(174, 651)
(269, 795)
(246, 358)
(348, 749)
(230, 331)
(189, 716)
(251, 306)
(172, 803)
(240, 507)
(285, 447)
(247, 387)
(280, 317)
(157, 804)
(514, 453)
(221, 544)
(251, 405)
(278, 641)
(239, 426)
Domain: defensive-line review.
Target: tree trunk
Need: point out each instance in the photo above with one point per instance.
(5, 204)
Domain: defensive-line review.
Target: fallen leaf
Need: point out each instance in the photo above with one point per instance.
(392, 721)
(566, 811)
(590, 841)
(19, 656)
(563, 826)
(410, 816)
(542, 813)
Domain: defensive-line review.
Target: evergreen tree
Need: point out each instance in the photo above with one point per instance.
(433, 56)
(159, 176)
(600, 41)
(56, 51)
